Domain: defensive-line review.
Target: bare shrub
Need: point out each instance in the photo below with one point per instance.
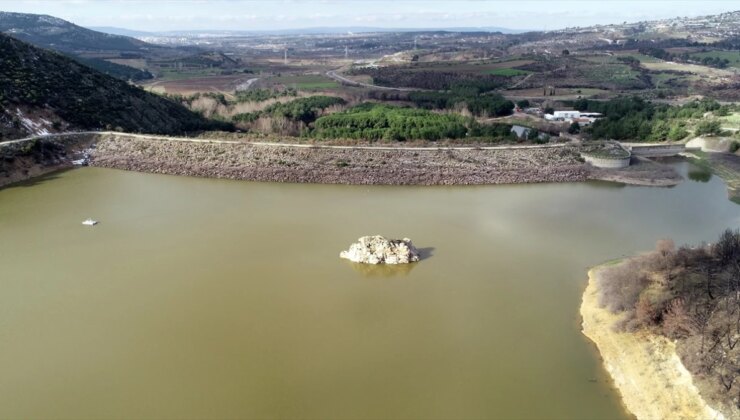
(333, 109)
(277, 125)
(204, 105)
(620, 285)
(665, 246)
(677, 322)
(727, 248)
(246, 107)
(666, 250)
(209, 106)
(645, 311)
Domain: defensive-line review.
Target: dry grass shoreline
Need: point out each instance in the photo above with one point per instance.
(645, 367)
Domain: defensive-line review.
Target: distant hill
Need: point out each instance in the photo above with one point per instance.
(77, 42)
(299, 31)
(43, 91)
(120, 31)
(60, 35)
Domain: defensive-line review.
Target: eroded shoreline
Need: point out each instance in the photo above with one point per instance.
(645, 367)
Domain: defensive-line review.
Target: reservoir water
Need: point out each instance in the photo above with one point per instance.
(205, 298)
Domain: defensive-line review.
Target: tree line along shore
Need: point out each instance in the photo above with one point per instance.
(667, 324)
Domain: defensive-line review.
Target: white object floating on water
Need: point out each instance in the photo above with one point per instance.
(89, 222)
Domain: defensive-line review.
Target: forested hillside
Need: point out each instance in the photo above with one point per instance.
(60, 35)
(82, 44)
(382, 122)
(635, 119)
(115, 70)
(37, 82)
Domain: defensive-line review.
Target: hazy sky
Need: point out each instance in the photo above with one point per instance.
(282, 14)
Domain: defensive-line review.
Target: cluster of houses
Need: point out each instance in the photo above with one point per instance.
(568, 116)
(582, 118)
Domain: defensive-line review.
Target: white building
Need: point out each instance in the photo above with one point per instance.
(570, 116)
(561, 115)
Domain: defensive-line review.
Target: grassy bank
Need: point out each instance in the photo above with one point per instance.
(725, 166)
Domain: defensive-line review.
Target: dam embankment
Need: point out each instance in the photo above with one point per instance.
(341, 165)
(314, 163)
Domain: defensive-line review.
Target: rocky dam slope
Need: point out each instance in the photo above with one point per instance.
(316, 163)
(254, 162)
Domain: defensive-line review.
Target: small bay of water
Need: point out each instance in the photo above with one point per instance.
(205, 298)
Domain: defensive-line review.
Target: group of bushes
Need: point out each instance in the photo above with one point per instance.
(717, 62)
(322, 117)
(260, 95)
(376, 122)
(382, 122)
(305, 110)
(431, 79)
(633, 118)
(239, 97)
(491, 105)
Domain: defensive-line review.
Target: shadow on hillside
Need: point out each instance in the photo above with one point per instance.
(38, 180)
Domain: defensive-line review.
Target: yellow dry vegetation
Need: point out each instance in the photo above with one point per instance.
(690, 68)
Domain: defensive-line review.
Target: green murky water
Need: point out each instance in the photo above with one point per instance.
(212, 299)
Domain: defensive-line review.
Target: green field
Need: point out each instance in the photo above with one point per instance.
(309, 82)
(168, 75)
(617, 74)
(732, 56)
(662, 80)
(731, 121)
(614, 59)
(507, 72)
(642, 57)
(600, 59)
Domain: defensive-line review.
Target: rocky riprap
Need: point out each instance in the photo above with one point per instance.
(270, 163)
(254, 162)
(379, 250)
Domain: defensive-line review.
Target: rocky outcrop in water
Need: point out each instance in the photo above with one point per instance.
(379, 250)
